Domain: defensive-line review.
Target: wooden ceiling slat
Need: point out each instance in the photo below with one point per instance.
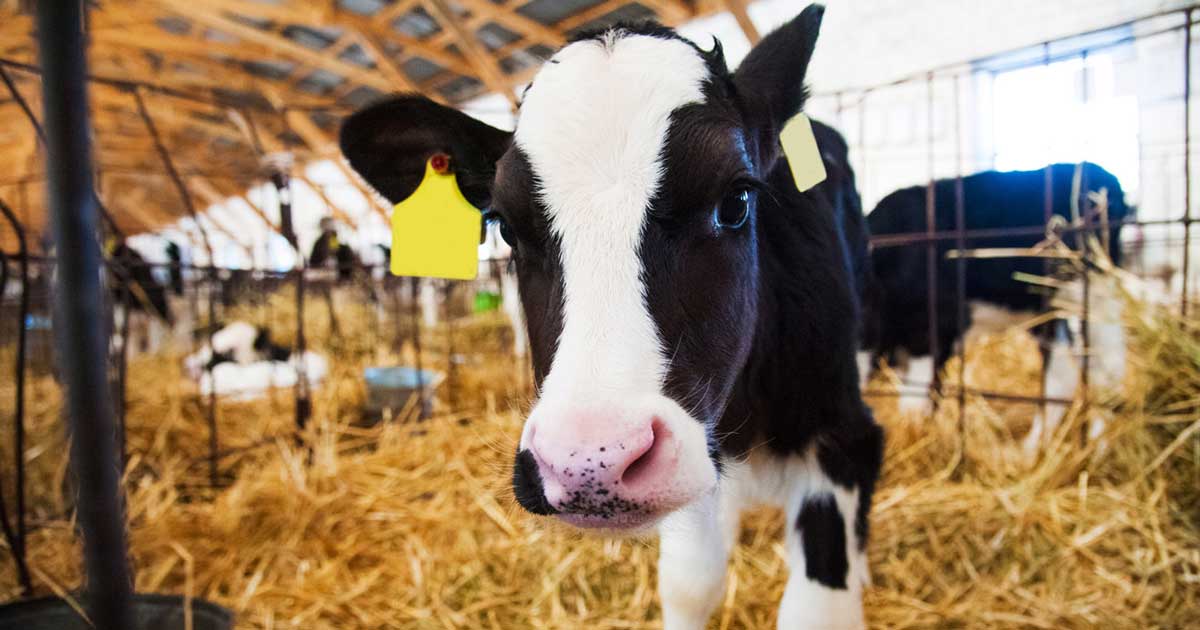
(486, 67)
(514, 21)
(337, 212)
(278, 44)
(207, 65)
(738, 9)
(410, 45)
(591, 14)
(322, 145)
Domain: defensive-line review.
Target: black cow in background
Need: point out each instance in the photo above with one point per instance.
(327, 249)
(175, 256)
(896, 308)
(133, 283)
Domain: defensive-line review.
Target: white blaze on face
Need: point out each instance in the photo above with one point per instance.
(593, 126)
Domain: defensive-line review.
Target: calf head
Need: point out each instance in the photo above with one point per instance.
(628, 193)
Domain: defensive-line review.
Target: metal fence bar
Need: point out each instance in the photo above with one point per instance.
(80, 337)
(186, 198)
(1081, 242)
(18, 540)
(41, 134)
(931, 258)
(1187, 158)
(424, 399)
(960, 226)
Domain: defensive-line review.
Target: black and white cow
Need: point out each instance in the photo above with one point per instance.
(134, 284)
(693, 316)
(237, 342)
(896, 311)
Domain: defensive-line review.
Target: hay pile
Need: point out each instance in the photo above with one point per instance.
(413, 525)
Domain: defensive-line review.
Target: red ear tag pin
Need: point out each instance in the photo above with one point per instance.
(440, 162)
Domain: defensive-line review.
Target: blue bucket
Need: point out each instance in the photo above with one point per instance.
(389, 389)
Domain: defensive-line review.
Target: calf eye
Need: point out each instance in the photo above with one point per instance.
(506, 231)
(733, 210)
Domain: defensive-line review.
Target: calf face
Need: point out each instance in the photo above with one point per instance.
(628, 194)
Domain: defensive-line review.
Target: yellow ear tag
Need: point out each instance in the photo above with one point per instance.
(800, 147)
(435, 232)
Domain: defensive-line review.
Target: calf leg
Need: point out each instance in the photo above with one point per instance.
(693, 560)
(1060, 379)
(826, 541)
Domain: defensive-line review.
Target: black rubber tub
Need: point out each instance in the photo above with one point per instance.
(150, 612)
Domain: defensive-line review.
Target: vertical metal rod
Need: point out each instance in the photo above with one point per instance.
(1047, 215)
(10, 536)
(960, 269)
(19, 552)
(41, 134)
(416, 324)
(214, 442)
(1187, 161)
(283, 188)
(122, 376)
(186, 198)
(862, 142)
(451, 370)
(1081, 240)
(931, 249)
(80, 335)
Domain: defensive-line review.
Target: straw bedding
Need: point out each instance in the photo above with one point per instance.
(412, 525)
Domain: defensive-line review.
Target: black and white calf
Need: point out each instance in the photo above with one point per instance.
(693, 316)
(896, 312)
(134, 284)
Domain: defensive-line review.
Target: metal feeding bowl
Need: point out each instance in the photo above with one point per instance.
(391, 390)
(149, 612)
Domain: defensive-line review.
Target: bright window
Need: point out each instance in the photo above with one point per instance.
(1069, 110)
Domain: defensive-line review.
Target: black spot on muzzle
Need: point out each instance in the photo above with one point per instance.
(527, 485)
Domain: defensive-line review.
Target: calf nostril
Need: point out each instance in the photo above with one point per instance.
(639, 467)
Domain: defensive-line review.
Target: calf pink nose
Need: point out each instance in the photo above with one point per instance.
(606, 476)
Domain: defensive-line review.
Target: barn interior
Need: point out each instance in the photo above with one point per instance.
(364, 480)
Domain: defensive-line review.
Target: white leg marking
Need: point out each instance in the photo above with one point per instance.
(863, 359)
(1062, 379)
(917, 374)
(807, 603)
(429, 305)
(693, 559)
(788, 482)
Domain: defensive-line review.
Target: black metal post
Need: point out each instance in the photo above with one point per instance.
(19, 551)
(423, 401)
(80, 336)
(960, 226)
(41, 134)
(282, 184)
(186, 198)
(931, 249)
(1187, 160)
(451, 369)
(1082, 240)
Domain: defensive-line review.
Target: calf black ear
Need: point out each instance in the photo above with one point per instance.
(389, 143)
(771, 78)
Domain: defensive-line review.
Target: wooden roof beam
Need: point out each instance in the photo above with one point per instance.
(738, 9)
(278, 44)
(485, 66)
(323, 145)
(410, 45)
(514, 21)
(671, 12)
(337, 212)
